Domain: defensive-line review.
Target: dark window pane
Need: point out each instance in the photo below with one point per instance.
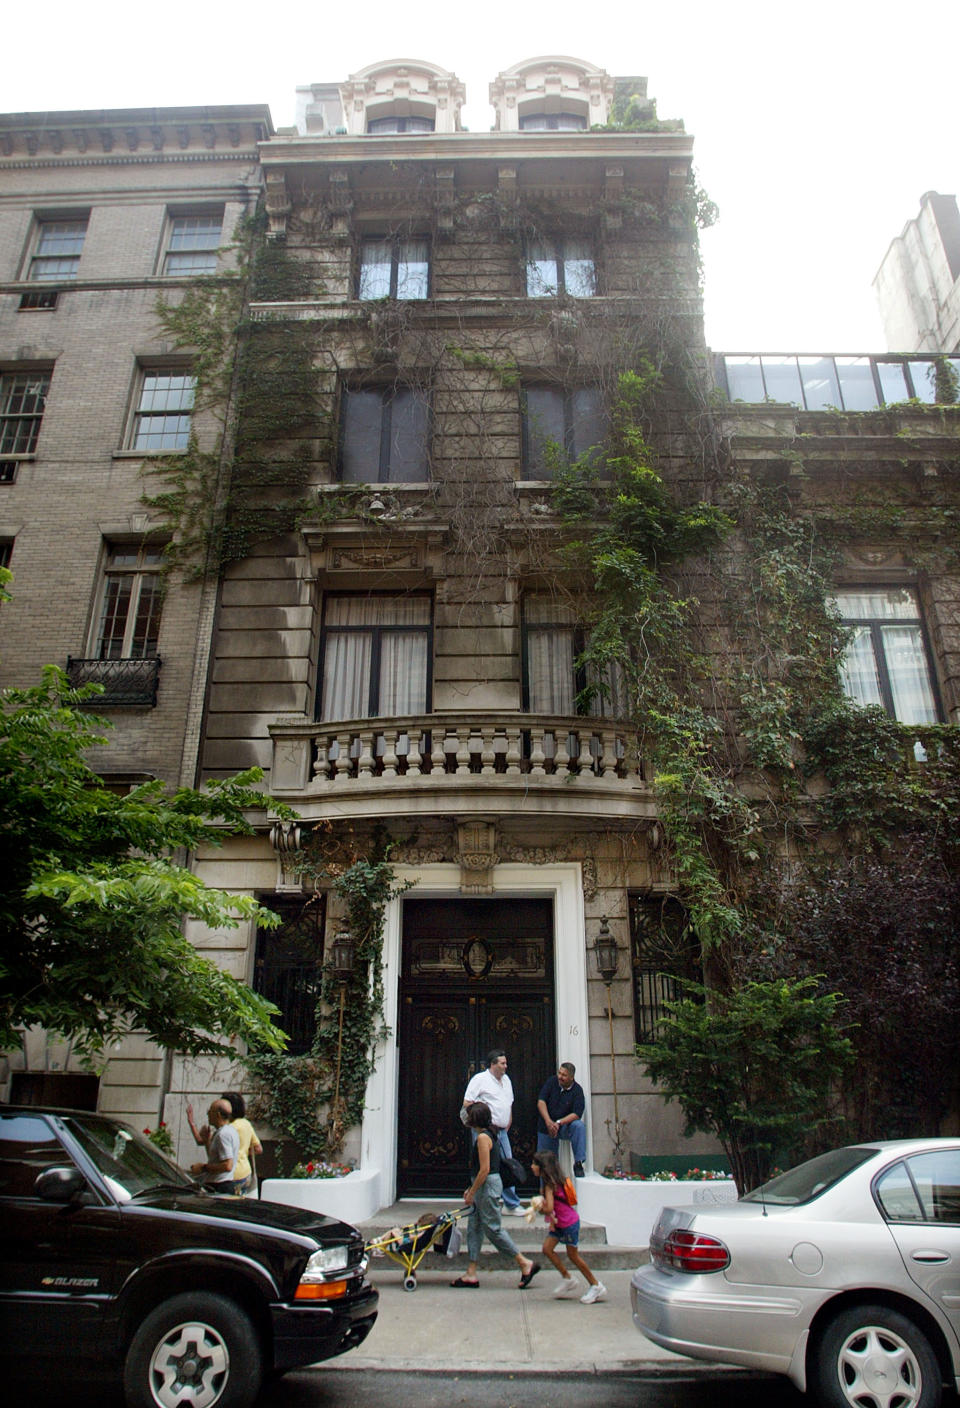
(589, 425)
(543, 422)
(409, 429)
(27, 1147)
(362, 419)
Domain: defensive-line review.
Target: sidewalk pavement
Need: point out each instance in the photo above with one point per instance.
(500, 1329)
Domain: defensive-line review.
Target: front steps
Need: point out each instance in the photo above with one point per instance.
(597, 1252)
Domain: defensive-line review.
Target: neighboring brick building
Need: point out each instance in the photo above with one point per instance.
(101, 214)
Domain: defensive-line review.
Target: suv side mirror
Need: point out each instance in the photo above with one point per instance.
(59, 1185)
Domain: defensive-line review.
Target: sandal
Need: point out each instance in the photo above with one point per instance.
(460, 1283)
(525, 1280)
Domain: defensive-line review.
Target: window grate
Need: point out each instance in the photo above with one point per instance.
(126, 683)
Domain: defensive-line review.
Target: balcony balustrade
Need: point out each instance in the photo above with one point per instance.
(441, 763)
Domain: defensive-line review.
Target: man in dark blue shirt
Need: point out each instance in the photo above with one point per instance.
(560, 1107)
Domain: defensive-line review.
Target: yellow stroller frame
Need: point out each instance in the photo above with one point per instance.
(407, 1246)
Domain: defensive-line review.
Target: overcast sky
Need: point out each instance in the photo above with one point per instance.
(818, 125)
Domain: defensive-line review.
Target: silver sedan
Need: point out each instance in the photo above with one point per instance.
(843, 1274)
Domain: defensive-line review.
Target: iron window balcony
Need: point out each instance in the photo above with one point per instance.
(127, 683)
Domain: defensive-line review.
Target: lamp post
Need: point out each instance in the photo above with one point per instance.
(344, 952)
(607, 956)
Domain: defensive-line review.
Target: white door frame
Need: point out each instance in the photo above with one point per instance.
(563, 883)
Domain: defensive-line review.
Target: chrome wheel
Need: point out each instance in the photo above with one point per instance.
(189, 1366)
(195, 1350)
(874, 1357)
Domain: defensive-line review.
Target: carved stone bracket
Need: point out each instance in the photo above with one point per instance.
(285, 838)
(477, 842)
(278, 204)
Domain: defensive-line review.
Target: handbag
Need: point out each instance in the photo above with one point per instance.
(512, 1171)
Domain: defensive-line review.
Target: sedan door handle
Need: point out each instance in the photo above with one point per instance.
(929, 1256)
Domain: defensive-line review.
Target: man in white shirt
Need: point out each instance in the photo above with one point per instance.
(493, 1087)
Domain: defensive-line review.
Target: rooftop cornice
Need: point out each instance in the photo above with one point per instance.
(68, 138)
(473, 146)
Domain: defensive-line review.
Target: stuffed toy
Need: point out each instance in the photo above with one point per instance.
(536, 1206)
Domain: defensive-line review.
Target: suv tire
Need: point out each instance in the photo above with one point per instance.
(197, 1350)
(872, 1354)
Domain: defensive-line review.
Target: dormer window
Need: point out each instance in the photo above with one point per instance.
(553, 122)
(386, 126)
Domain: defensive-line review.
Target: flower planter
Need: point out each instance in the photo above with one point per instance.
(352, 1199)
(628, 1209)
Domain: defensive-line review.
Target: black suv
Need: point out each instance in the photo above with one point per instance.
(113, 1258)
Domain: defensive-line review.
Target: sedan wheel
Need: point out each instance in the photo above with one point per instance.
(194, 1351)
(873, 1357)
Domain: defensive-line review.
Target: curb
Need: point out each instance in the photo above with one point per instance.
(624, 1368)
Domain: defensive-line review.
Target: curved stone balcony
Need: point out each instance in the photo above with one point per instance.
(455, 763)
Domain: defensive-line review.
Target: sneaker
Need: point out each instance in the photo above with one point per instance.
(594, 1293)
(519, 1211)
(578, 1169)
(565, 1288)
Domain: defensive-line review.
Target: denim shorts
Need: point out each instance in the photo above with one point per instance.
(569, 1236)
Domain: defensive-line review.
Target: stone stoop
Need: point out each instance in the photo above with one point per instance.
(597, 1252)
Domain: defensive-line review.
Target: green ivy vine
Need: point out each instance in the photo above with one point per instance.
(259, 381)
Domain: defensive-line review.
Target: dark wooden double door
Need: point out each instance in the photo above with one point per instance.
(476, 975)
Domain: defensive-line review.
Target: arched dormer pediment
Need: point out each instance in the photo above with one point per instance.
(549, 93)
(402, 95)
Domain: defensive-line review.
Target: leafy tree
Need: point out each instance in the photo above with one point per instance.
(94, 900)
(884, 929)
(754, 1066)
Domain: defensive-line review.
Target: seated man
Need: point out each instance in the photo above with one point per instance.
(561, 1104)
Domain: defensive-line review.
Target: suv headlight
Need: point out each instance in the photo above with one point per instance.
(322, 1263)
(319, 1279)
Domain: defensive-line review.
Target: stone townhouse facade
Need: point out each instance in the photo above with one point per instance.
(405, 658)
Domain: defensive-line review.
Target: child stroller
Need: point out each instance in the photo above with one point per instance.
(407, 1246)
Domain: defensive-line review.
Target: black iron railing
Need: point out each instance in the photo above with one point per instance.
(125, 682)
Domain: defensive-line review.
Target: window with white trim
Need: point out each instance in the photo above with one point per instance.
(886, 660)
(161, 420)
(193, 242)
(570, 417)
(131, 602)
(57, 249)
(394, 268)
(561, 266)
(384, 435)
(375, 656)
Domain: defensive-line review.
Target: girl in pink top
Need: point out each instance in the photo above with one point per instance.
(564, 1221)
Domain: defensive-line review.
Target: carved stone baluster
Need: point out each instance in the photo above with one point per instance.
(390, 752)
(585, 758)
(344, 761)
(514, 756)
(561, 758)
(366, 762)
(488, 757)
(537, 755)
(463, 752)
(438, 758)
(321, 765)
(608, 759)
(413, 752)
